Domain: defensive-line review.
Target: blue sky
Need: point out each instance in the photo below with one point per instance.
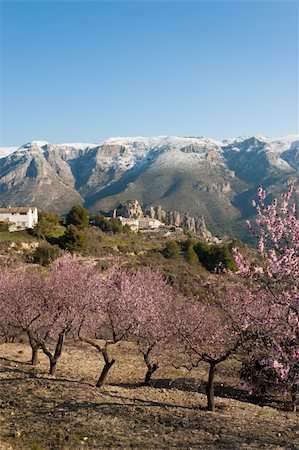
(82, 71)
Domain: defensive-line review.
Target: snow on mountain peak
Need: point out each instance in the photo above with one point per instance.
(160, 141)
(6, 151)
(35, 144)
(138, 147)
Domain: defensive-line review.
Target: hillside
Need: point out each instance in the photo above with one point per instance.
(198, 176)
(66, 412)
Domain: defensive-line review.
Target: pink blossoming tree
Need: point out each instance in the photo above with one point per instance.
(70, 287)
(22, 302)
(214, 331)
(134, 307)
(276, 229)
(154, 307)
(109, 317)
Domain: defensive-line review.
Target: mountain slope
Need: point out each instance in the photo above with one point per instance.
(195, 175)
(32, 175)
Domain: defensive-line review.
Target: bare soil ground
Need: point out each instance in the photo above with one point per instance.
(40, 412)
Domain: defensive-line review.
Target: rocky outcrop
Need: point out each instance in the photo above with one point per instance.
(112, 150)
(130, 210)
(191, 149)
(222, 188)
(212, 155)
(195, 225)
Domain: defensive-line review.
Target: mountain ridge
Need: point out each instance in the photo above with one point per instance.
(195, 175)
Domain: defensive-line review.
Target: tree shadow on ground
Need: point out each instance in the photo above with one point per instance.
(169, 416)
(127, 407)
(17, 371)
(190, 385)
(183, 384)
(15, 361)
(221, 390)
(39, 376)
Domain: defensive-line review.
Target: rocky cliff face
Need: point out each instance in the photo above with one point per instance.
(190, 177)
(195, 225)
(130, 209)
(31, 176)
(133, 210)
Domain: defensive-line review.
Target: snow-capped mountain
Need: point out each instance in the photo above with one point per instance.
(5, 151)
(196, 175)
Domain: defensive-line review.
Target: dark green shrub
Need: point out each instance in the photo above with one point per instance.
(102, 266)
(45, 254)
(214, 257)
(73, 240)
(46, 218)
(112, 224)
(116, 225)
(78, 216)
(4, 226)
(126, 229)
(92, 243)
(187, 246)
(171, 250)
(191, 255)
(49, 226)
(184, 245)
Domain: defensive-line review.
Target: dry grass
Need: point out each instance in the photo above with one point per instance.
(40, 412)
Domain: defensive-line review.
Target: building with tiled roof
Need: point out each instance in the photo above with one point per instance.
(19, 218)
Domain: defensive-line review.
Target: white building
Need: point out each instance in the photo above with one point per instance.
(144, 223)
(19, 218)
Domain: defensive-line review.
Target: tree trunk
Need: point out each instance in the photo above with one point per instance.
(34, 355)
(294, 407)
(210, 387)
(151, 367)
(294, 398)
(58, 349)
(34, 349)
(53, 363)
(104, 373)
(108, 364)
(149, 373)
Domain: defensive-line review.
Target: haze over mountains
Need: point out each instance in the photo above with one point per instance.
(194, 175)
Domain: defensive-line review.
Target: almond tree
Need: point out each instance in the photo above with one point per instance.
(153, 329)
(133, 306)
(70, 287)
(109, 317)
(7, 288)
(22, 302)
(276, 229)
(214, 331)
